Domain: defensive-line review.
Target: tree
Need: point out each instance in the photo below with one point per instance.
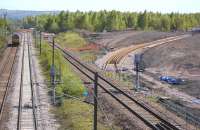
(165, 23)
(179, 22)
(62, 21)
(113, 20)
(48, 24)
(143, 20)
(54, 28)
(131, 20)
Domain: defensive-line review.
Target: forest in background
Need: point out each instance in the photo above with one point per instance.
(113, 20)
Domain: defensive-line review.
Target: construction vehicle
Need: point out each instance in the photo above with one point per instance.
(172, 80)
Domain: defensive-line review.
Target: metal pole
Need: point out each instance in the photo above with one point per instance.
(35, 38)
(53, 52)
(95, 101)
(53, 77)
(54, 92)
(40, 42)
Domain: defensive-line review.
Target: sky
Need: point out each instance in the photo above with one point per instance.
(164, 6)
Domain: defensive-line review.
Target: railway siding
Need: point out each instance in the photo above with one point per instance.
(151, 119)
(116, 56)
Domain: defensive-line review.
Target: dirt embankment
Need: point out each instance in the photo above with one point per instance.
(176, 56)
(120, 39)
(88, 47)
(181, 59)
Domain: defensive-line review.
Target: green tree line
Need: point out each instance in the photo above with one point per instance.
(113, 20)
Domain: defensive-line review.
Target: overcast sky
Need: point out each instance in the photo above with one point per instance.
(182, 6)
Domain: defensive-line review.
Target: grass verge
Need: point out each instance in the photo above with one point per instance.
(72, 114)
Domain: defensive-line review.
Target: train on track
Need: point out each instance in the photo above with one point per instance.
(16, 39)
(17, 36)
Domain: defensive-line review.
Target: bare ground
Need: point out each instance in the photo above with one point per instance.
(120, 39)
(179, 58)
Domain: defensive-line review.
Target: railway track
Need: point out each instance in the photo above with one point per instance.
(117, 56)
(27, 117)
(6, 70)
(150, 118)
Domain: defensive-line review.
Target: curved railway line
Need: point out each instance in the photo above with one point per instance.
(117, 56)
(150, 118)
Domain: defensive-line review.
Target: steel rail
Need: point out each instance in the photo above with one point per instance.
(21, 91)
(163, 121)
(8, 82)
(32, 89)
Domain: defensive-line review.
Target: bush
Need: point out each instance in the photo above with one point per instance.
(71, 84)
(70, 40)
(2, 42)
(75, 115)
